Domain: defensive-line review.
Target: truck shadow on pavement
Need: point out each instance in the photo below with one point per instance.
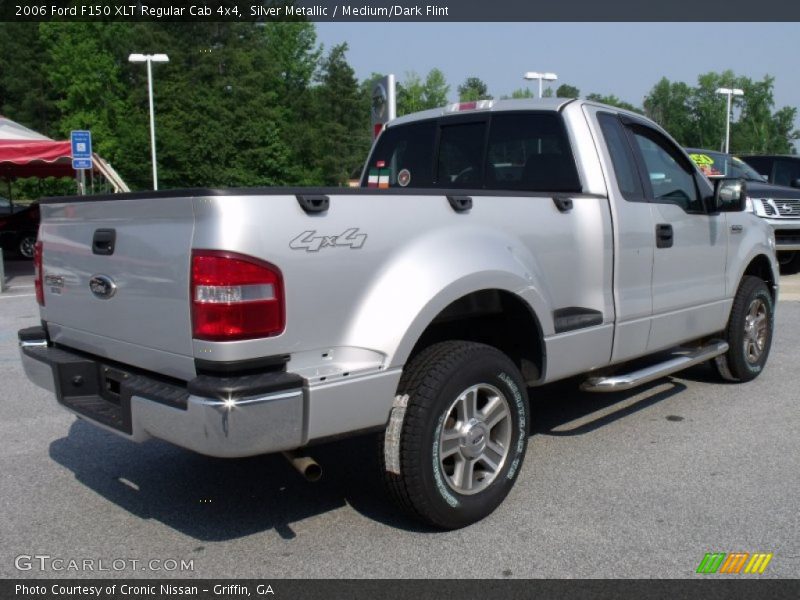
(212, 499)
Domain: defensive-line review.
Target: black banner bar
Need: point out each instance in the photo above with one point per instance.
(402, 10)
(713, 588)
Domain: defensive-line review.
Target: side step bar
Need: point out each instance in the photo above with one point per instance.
(617, 383)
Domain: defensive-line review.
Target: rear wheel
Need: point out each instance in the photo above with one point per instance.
(749, 332)
(458, 433)
(26, 246)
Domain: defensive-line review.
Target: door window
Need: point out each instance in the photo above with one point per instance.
(622, 157)
(670, 180)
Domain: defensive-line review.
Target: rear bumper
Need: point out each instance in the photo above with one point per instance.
(216, 416)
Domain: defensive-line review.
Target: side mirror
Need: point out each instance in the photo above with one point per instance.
(730, 195)
(795, 183)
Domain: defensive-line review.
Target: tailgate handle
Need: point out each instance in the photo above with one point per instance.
(460, 204)
(313, 203)
(103, 241)
(562, 204)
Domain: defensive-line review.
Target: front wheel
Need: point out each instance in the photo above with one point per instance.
(457, 434)
(749, 332)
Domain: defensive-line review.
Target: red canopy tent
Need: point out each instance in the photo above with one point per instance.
(26, 153)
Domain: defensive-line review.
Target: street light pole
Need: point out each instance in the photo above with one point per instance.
(541, 77)
(729, 92)
(150, 59)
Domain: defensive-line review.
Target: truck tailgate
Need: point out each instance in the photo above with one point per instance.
(131, 302)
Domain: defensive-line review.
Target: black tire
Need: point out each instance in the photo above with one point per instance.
(436, 385)
(26, 246)
(789, 262)
(748, 352)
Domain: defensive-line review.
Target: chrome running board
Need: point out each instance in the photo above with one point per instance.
(617, 383)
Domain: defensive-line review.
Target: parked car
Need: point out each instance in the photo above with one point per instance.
(18, 231)
(779, 205)
(780, 169)
(7, 207)
(493, 246)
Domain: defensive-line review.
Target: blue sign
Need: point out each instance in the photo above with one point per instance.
(81, 145)
(81, 163)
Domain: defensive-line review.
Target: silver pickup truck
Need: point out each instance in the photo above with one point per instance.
(492, 248)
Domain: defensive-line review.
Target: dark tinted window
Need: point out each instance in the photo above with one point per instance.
(621, 157)
(786, 171)
(460, 161)
(530, 152)
(526, 151)
(762, 164)
(405, 152)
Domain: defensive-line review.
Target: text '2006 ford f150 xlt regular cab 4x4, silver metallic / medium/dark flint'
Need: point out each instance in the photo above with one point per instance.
(493, 247)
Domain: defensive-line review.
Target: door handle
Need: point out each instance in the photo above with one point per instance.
(103, 241)
(664, 235)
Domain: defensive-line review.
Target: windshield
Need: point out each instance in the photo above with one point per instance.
(718, 164)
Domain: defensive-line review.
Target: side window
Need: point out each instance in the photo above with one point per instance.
(529, 151)
(786, 171)
(761, 164)
(403, 157)
(460, 162)
(622, 157)
(670, 180)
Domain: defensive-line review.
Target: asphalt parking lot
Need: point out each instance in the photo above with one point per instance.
(634, 484)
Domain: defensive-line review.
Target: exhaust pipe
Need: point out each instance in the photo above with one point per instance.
(305, 465)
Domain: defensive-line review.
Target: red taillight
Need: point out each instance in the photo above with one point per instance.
(235, 297)
(38, 276)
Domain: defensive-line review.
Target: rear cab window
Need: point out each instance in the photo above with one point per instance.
(525, 151)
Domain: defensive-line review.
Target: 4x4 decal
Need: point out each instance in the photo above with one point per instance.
(311, 242)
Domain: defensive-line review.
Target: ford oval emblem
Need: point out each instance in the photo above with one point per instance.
(102, 286)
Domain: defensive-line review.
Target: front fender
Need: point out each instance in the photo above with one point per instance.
(432, 271)
(758, 238)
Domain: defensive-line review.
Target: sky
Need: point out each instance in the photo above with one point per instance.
(625, 59)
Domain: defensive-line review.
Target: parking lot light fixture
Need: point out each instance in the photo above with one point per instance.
(729, 92)
(530, 75)
(150, 59)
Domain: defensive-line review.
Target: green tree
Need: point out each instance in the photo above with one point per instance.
(25, 90)
(761, 129)
(612, 100)
(410, 94)
(695, 116)
(668, 104)
(473, 89)
(436, 89)
(567, 91)
(414, 94)
(519, 94)
(82, 65)
(342, 137)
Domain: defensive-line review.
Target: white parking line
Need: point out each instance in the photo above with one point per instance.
(6, 297)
